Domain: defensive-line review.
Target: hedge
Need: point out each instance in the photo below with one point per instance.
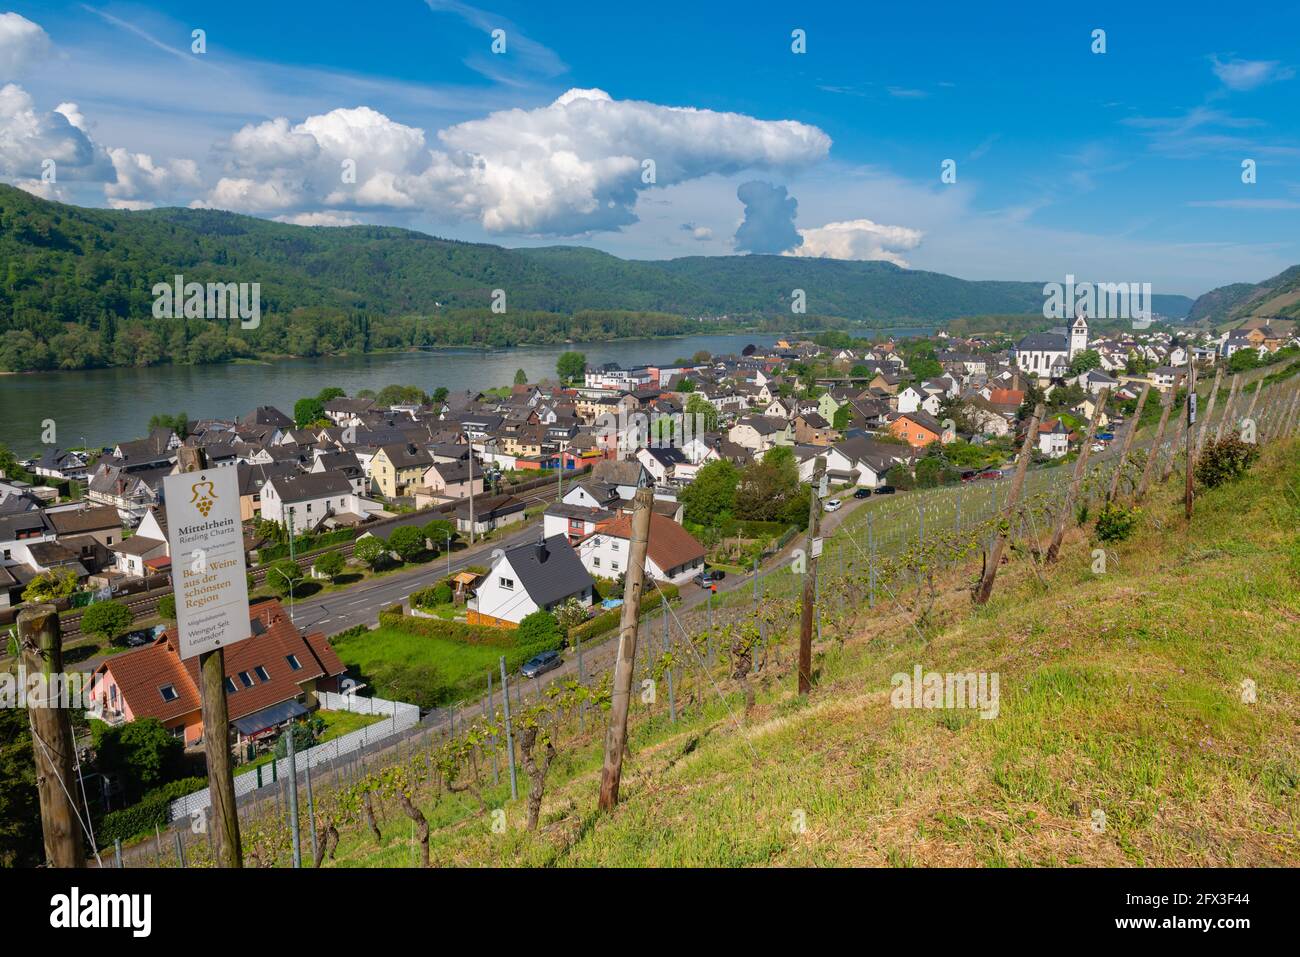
(153, 810)
(306, 543)
(449, 630)
(609, 619)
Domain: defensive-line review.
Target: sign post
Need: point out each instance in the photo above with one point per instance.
(210, 581)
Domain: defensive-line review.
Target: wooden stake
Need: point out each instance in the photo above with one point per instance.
(1209, 411)
(1167, 406)
(1173, 446)
(1076, 480)
(985, 587)
(1128, 445)
(621, 695)
(41, 642)
(216, 726)
(808, 604)
(1227, 409)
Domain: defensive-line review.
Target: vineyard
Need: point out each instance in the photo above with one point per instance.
(1123, 737)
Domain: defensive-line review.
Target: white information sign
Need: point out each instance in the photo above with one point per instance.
(209, 575)
(816, 548)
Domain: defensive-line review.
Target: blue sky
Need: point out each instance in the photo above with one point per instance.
(1117, 166)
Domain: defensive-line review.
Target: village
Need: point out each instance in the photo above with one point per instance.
(507, 512)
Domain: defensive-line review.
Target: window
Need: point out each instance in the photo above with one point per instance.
(168, 692)
(613, 543)
(613, 566)
(231, 687)
(261, 673)
(507, 583)
(293, 662)
(246, 678)
(595, 561)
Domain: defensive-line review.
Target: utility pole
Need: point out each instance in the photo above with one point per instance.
(40, 641)
(809, 603)
(985, 588)
(1188, 494)
(1166, 407)
(1076, 480)
(470, 442)
(216, 725)
(1128, 444)
(621, 696)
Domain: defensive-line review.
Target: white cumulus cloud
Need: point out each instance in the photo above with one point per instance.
(858, 239)
(576, 165)
(22, 43)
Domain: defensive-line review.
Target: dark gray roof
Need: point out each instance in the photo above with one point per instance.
(550, 571)
(310, 485)
(1044, 342)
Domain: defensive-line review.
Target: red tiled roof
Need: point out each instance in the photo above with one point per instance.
(670, 545)
(140, 674)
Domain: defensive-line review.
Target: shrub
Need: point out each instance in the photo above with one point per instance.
(442, 593)
(107, 619)
(282, 577)
(536, 629)
(167, 607)
(371, 551)
(407, 542)
(1226, 460)
(419, 684)
(142, 754)
(1116, 522)
(153, 810)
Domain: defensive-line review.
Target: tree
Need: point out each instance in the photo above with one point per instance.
(391, 395)
(106, 619)
(330, 393)
(283, 576)
(840, 421)
(178, 423)
(701, 356)
(440, 395)
(167, 607)
(141, 754)
(21, 842)
(304, 737)
(570, 366)
(371, 551)
(407, 541)
(330, 564)
(308, 410)
(1085, 361)
(713, 493)
(1243, 360)
(766, 487)
(521, 377)
(570, 615)
(538, 628)
(686, 386)
(10, 467)
(51, 585)
(698, 405)
(439, 532)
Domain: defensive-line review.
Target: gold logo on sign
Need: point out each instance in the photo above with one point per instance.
(203, 500)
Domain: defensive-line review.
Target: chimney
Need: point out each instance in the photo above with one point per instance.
(542, 553)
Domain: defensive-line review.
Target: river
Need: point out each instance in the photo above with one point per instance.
(101, 407)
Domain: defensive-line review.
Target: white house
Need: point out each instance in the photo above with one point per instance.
(1054, 442)
(306, 500)
(536, 575)
(672, 554)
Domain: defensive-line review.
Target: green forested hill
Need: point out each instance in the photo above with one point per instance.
(1278, 296)
(75, 288)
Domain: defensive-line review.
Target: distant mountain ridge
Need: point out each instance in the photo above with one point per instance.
(1278, 296)
(70, 264)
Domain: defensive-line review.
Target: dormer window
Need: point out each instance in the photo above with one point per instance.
(168, 692)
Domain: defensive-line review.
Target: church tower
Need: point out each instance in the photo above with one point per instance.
(1079, 336)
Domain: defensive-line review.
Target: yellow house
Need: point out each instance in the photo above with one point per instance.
(398, 468)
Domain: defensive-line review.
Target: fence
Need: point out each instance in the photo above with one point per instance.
(402, 715)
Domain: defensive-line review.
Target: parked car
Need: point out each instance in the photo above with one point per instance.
(707, 578)
(862, 493)
(991, 474)
(970, 475)
(1106, 436)
(137, 639)
(540, 664)
(1098, 447)
(832, 504)
(885, 490)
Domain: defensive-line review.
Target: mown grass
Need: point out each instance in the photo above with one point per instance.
(1123, 735)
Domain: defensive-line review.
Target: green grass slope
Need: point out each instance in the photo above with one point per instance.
(1123, 735)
